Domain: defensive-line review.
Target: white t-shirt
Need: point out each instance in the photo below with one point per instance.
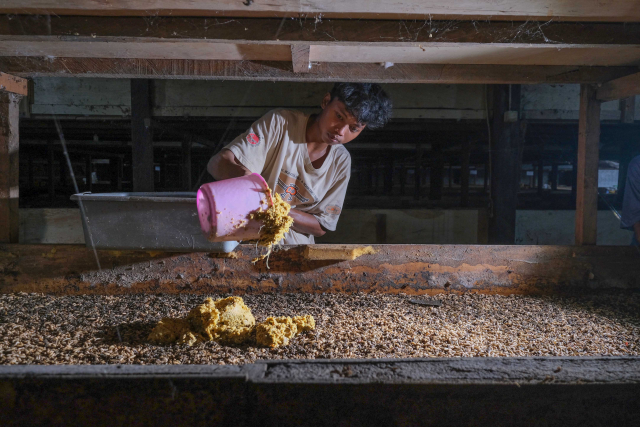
(275, 147)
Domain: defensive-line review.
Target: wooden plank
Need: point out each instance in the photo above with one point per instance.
(300, 58)
(311, 31)
(473, 53)
(543, 10)
(628, 109)
(623, 87)
(587, 168)
(13, 84)
(404, 52)
(328, 72)
(142, 136)
(9, 172)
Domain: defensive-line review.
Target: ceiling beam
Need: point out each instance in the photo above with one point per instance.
(543, 10)
(410, 52)
(329, 72)
(67, 28)
(622, 87)
(13, 84)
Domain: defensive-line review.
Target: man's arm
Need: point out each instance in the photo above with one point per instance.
(306, 223)
(224, 165)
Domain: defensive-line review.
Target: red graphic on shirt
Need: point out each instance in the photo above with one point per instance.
(333, 210)
(253, 139)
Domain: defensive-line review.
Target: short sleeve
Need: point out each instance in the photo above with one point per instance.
(631, 200)
(253, 147)
(328, 211)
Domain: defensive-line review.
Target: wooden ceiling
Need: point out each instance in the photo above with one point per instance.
(529, 41)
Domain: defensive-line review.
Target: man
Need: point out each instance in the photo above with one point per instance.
(630, 218)
(302, 157)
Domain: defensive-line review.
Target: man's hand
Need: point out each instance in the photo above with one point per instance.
(306, 223)
(224, 165)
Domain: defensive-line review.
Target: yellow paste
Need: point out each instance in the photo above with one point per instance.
(228, 321)
(276, 222)
(277, 331)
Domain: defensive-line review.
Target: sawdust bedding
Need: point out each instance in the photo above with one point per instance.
(42, 329)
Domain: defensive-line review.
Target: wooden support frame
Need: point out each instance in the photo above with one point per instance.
(9, 168)
(300, 58)
(623, 87)
(587, 167)
(13, 84)
(324, 72)
(543, 10)
(142, 135)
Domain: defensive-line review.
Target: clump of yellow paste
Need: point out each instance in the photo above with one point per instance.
(277, 331)
(228, 321)
(276, 222)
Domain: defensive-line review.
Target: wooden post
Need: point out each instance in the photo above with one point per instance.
(587, 167)
(381, 228)
(540, 182)
(51, 184)
(437, 173)
(142, 136)
(87, 173)
(9, 177)
(628, 109)
(186, 164)
(388, 176)
(418, 172)
(588, 159)
(507, 141)
(403, 179)
(464, 174)
(554, 177)
(587, 170)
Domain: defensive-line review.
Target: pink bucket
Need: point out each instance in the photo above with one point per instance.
(224, 207)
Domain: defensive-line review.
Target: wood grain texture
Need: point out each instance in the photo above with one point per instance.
(329, 72)
(300, 58)
(585, 10)
(13, 84)
(587, 165)
(623, 87)
(9, 172)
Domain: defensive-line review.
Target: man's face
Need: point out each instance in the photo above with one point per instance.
(337, 126)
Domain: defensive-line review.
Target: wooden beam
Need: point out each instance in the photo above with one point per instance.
(381, 52)
(622, 87)
(300, 58)
(13, 84)
(328, 72)
(142, 136)
(312, 31)
(542, 10)
(628, 109)
(587, 170)
(9, 172)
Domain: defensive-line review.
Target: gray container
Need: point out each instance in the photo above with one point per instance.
(146, 221)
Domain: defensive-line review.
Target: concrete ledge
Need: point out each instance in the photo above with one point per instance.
(412, 269)
(448, 392)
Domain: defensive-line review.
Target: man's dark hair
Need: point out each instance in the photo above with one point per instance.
(367, 102)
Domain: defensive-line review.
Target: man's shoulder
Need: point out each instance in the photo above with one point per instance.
(286, 116)
(342, 158)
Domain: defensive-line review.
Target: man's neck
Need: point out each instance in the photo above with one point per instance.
(316, 148)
